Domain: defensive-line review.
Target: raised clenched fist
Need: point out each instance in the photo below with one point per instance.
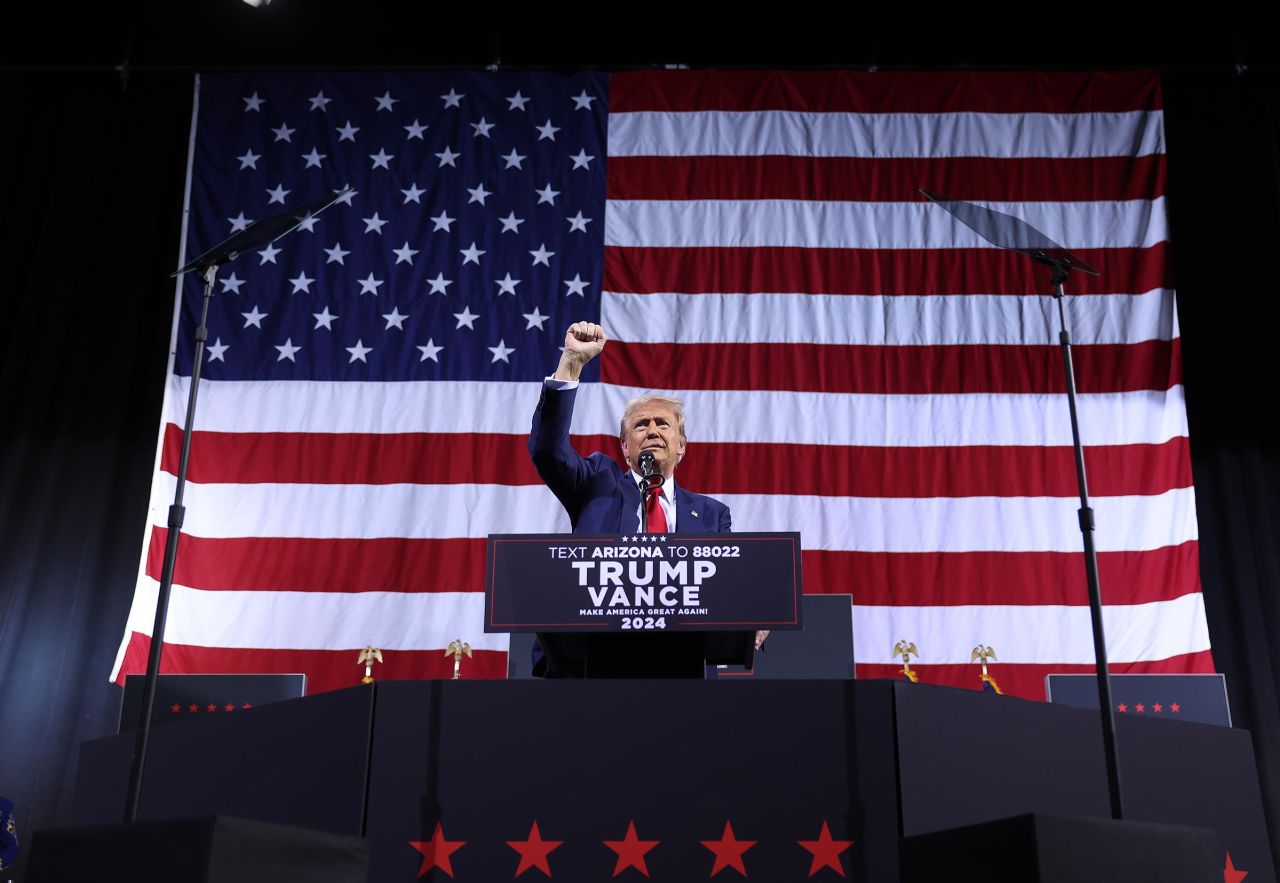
(584, 341)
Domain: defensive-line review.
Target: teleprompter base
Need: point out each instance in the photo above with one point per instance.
(214, 849)
(1037, 848)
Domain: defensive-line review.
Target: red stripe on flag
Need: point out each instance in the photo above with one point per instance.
(325, 669)
(712, 467)
(360, 458)
(874, 579)
(383, 564)
(898, 92)
(891, 370)
(1027, 680)
(781, 270)
(884, 179)
(977, 471)
(944, 579)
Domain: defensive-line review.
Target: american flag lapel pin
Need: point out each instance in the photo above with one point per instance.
(693, 513)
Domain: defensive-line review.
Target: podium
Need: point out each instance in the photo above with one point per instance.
(643, 605)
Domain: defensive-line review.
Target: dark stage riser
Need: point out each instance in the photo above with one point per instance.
(872, 760)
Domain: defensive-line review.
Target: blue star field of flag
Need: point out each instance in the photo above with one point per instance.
(473, 238)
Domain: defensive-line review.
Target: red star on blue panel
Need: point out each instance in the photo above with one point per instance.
(534, 851)
(631, 850)
(729, 851)
(436, 851)
(1232, 874)
(826, 851)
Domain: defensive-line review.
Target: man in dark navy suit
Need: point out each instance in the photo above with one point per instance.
(599, 495)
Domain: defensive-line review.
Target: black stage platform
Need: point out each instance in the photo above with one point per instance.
(819, 774)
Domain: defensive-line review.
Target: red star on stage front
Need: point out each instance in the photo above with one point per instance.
(631, 850)
(534, 851)
(436, 851)
(1230, 874)
(729, 851)
(826, 852)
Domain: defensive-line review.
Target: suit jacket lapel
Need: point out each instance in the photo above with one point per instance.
(629, 517)
(688, 518)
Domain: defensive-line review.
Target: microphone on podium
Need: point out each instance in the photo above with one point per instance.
(649, 469)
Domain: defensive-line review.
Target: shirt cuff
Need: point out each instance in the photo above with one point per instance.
(552, 383)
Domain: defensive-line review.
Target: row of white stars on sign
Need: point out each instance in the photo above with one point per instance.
(439, 285)
(395, 319)
(382, 160)
(430, 351)
(453, 98)
(644, 538)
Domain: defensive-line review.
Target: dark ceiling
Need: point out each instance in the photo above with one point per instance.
(400, 33)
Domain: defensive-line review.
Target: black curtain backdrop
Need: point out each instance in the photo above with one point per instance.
(90, 216)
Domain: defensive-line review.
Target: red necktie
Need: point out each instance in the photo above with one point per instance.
(653, 503)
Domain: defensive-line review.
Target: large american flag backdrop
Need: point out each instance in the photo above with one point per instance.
(855, 365)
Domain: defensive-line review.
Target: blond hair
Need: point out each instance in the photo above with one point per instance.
(675, 406)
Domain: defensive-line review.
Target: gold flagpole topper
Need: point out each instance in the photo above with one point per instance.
(906, 650)
(982, 653)
(456, 649)
(368, 656)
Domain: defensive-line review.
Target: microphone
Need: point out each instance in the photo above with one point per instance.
(649, 469)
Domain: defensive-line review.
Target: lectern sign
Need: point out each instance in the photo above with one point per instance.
(642, 582)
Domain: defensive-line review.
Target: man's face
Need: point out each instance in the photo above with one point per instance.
(653, 428)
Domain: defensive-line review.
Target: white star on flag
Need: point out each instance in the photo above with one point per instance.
(404, 254)
(507, 285)
(302, 283)
(439, 284)
(359, 351)
(324, 319)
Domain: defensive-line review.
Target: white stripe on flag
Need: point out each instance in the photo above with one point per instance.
(932, 135)
(315, 620)
(1033, 633)
(721, 223)
(880, 524)
(893, 321)
(1140, 417)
